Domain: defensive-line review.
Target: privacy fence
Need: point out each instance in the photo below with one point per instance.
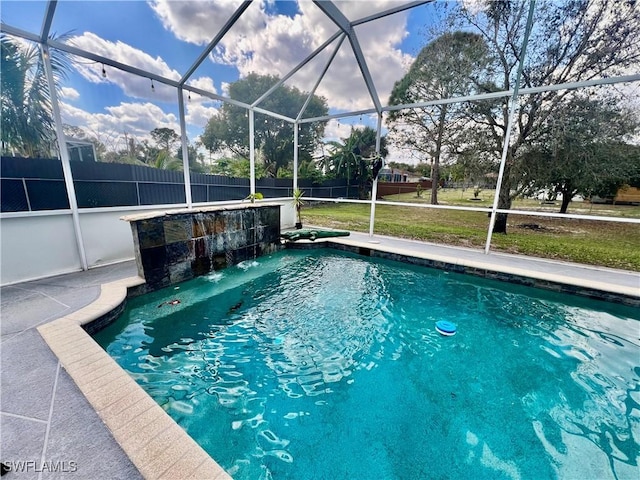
(32, 184)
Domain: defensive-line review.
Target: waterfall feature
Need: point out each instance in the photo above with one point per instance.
(171, 247)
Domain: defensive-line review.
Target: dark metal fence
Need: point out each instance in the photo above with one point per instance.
(30, 184)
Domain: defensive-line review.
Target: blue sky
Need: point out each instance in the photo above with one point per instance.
(166, 37)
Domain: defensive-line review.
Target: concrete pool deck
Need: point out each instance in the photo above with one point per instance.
(48, 421)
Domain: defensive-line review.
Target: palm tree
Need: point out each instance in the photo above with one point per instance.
(352, 159)
(27, 122)
(165, 161)
(309, 170)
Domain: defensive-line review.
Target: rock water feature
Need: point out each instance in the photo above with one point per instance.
(175, 246)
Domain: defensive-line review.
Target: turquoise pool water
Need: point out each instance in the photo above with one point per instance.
(324, 365)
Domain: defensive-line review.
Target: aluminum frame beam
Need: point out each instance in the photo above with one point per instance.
(368, 111)
(374, 188)
(296, 154)
(18, 32)
(252, 153)
(324, 72)
(48, 20)
(390, 11)
(186, 171)
(334, 14)
(112, 63)
(297, 68)
(237, 103)
(513, 105)
(487, 96)
(64, 156)
(331, 11)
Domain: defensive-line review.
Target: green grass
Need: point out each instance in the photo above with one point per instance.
(592, 242)
(461, 197)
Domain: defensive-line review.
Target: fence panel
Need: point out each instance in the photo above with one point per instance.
(38, 184)
(161, 193)
(105, 194)
(13, 196)
(102, 171)
(227, 192)
(16, 167)
(198, 193)
(47, 194)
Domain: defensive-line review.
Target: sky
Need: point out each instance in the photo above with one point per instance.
(165, 37)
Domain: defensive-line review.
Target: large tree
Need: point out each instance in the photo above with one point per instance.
(581, 149)
(449, 66)
(165, 138)
(571, 41)
(27, 123)
(229, 131)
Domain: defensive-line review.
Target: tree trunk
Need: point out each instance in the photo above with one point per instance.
(501, 223)
(504, 201)
(566, 200)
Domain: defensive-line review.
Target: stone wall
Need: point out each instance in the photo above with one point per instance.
(171, 247)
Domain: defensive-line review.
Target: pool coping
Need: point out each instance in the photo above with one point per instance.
(155, 443)
(488, 268)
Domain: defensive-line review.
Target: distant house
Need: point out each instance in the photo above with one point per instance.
(627, 194)
(624, 195)
(395, 175)
(393, 181)
(81, 150)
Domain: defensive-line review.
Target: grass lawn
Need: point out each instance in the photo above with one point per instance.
(614, 245)
(461, 197)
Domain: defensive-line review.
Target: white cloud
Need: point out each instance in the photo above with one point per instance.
(337, 129)
(69, 93)
(200, 109)
(143, 117)
(140, 87)
(203, 83)
(132, 85)
(194, 22)
(199, 114)
(133, 119)
(275, 44)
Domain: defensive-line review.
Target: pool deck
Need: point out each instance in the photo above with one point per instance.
(584, 277)
(47, 420)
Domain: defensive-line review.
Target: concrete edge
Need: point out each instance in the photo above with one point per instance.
(584, 286)
(238, 205)
(159, 448)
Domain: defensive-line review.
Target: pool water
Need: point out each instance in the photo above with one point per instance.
(326, 365)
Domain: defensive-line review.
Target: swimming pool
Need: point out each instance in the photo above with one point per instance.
(328, 365)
